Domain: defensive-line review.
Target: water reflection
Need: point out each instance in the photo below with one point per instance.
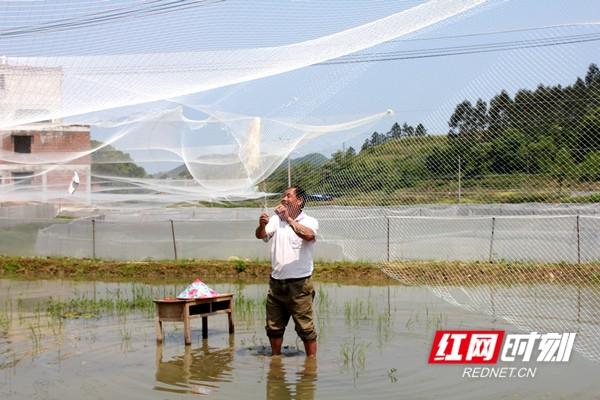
(280, 386)
(374, 344)
(197, 371)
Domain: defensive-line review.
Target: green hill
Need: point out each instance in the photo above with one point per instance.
(112, 162)
(316, 159)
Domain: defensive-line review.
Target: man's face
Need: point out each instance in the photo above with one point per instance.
(290, 200)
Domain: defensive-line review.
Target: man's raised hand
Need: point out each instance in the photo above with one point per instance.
(282, 212)
(264, 219)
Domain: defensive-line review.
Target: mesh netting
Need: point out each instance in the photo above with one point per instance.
(159, 116)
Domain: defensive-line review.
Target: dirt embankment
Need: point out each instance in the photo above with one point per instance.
(209, 270)
(407, 273)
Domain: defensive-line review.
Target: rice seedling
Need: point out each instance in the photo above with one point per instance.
(431, 320)
(125, 333)
(4, 321)
(322, 300)
(358, 310)
(56, 326)
(6, 316)
(354, 356)
(434, 321)
(248, 309)
(126, 336)
(35, 335)
(384, 328)
(84, 307)
(392, 374)
(321, 323)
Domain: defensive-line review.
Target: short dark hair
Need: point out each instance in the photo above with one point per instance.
(300, 193)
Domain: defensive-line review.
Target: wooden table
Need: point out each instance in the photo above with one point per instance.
(179, 310)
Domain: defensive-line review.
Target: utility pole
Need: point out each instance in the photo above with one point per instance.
(459, 173)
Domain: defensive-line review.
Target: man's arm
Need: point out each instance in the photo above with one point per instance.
(301, 230)
(261, 231)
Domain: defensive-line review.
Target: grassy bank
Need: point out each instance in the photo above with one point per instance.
(494, 273)
(407, 272)
(174, 271)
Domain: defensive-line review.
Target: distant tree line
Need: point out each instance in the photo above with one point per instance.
(552, 130)
(396, 132)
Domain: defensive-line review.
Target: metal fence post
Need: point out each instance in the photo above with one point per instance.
(459, 182)
(93, 238)
(173, 235)
(388, 238)
(492, 239)
(578, 243)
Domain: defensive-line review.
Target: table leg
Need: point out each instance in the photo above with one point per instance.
(204, 327)
(159, 330)
(159, 354)
(230, 320)
(187, 330)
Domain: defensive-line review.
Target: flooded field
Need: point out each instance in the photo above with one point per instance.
(96, 340)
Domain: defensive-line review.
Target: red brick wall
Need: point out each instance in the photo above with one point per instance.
(54, 142)
(7, 144)
(60, 178)
(57, 179)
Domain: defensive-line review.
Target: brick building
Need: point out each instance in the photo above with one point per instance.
(44, 157)
(41, 156)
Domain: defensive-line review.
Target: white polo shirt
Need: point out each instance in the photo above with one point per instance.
(291, 256)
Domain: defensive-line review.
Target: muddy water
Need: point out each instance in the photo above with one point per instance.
(374, 343)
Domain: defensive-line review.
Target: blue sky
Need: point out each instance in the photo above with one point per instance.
(419, 90)
(426, 90)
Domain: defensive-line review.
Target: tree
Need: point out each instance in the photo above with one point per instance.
(590, 167)
(593, 75)
(524, 105)
(441, 161)
(377, 138)
(461, 120)
(469, 121)
(307, 175)
(478, 162)
(499, 115)
(589, 133)
(396, 131)
(481, 115)
(539, 156)
(420, 130)
(575, 104)
(408, 130)
(365, 145)
(592, 81)
(564, 168)
(505, 154)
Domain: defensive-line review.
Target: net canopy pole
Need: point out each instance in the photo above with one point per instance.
(388, 237)
(492, 239)
(173, 236)
(578, 243)
(93, 239)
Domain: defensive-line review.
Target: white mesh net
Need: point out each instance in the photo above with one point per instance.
(485, 189)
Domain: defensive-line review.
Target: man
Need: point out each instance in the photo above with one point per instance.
(291, 290)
